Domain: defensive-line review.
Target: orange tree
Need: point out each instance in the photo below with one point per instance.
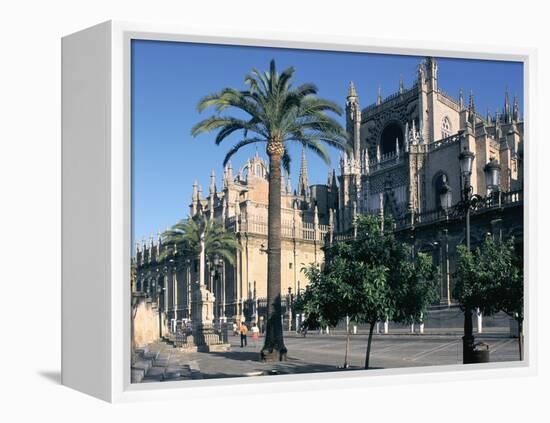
(491, 278)
(370, 278)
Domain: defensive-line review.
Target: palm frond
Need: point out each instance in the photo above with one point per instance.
(239, 145)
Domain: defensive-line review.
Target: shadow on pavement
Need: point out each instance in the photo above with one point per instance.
(238, 355)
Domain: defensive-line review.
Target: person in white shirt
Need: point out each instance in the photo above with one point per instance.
(255, 334)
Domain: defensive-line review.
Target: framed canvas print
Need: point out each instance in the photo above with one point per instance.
(248, 213)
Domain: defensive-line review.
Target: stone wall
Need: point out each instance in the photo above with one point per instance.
(146, 323)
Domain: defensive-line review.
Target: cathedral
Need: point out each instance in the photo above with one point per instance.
(405, 153)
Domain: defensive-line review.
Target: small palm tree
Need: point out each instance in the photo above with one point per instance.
(184, 237)
(276, 114)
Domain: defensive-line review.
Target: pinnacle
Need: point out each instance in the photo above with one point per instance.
(351, 91)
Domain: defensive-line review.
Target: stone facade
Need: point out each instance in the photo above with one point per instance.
(405, 146)
(406, 143)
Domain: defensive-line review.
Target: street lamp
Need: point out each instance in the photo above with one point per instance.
(469, 202)
(492, 176)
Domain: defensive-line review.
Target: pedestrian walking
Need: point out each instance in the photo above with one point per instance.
(235, 329)
(255, 334)
(243, 331)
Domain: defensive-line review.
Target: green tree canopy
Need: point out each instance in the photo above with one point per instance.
(491, 278)
(184, 237)
(370, 278)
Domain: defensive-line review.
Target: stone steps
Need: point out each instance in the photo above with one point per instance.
(158, 362)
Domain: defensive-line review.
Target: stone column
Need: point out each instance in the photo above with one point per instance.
(175, 293)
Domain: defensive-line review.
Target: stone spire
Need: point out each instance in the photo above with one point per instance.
(334, 186)
(212, 195)
(158, 243)
(194, 198)
(498, 132)
(401, 85)
(507, 113)
(461, 99)
(351, 90)
(472, 111)
(353, 118)
(379, 96)
(302, 180)
(431, 70)
(515, 112)
(229, 172)
(212, 183)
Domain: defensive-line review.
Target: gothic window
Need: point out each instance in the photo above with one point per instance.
(390, 134)
(445, 127)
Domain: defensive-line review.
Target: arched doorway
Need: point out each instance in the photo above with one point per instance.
(390, 133)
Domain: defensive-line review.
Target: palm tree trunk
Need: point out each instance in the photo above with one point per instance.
(274, 347)
(367, 356)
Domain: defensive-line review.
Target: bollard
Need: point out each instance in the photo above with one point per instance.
(479, 321)
(354, 329)
(386, 326)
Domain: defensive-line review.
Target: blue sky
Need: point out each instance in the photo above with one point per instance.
(169, 78)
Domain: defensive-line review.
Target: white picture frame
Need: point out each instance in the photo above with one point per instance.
(96, 214)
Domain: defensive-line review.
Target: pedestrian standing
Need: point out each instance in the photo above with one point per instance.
(243, 330)
(235, 329)
(255, 334)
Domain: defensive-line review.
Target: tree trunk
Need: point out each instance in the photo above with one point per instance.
(347, 348)
(367, 357)
(274, 347)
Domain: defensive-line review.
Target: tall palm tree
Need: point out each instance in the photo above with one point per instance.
(185, 236)
(276, 113)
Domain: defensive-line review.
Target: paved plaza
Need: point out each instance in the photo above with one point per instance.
(317, 352)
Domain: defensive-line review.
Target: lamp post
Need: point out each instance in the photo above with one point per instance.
(188, 286)
(289, 308)
(159, 294)
(469, 202)
(220, 291)
(466, 159)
